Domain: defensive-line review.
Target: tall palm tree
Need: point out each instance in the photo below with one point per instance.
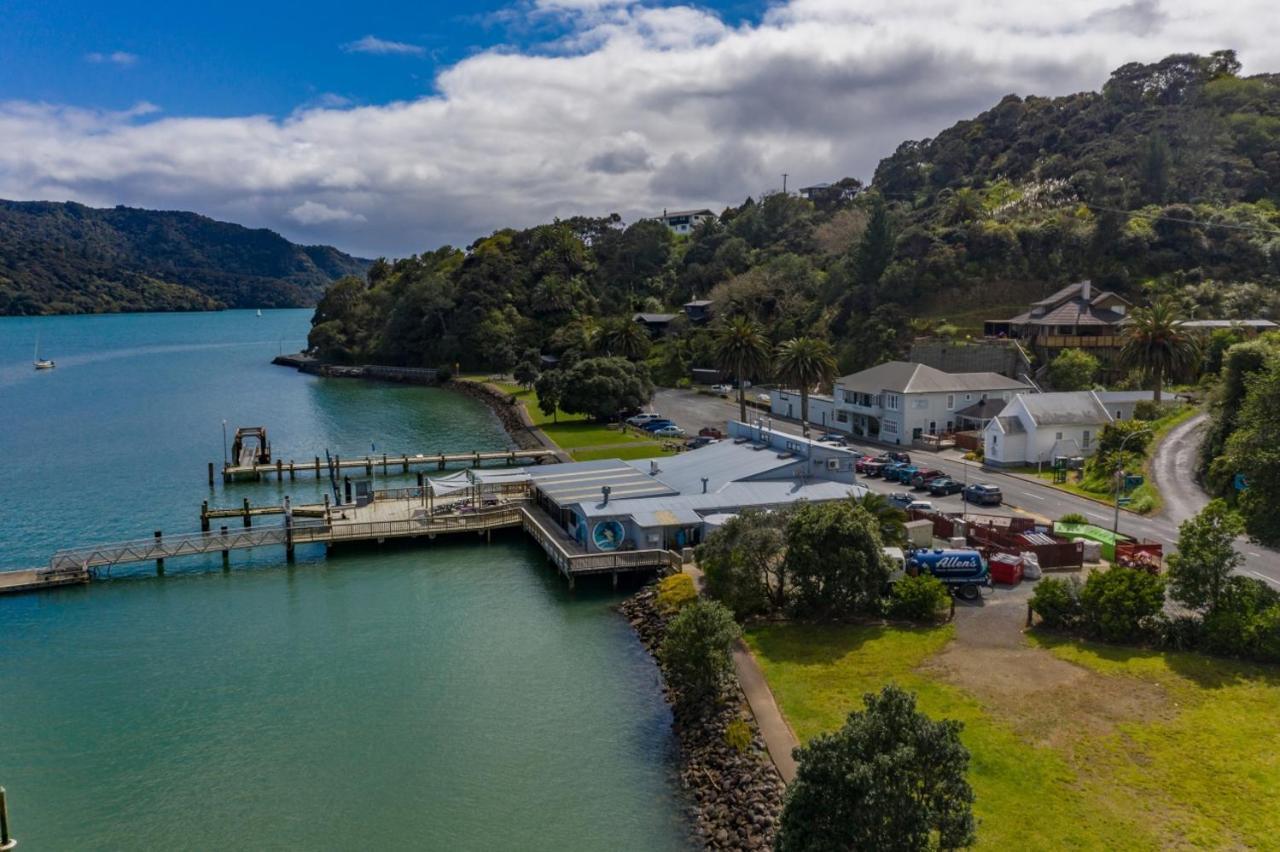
(805, 362)
(623, 336)
(891, 520)
(742, 350)
(1157, 343)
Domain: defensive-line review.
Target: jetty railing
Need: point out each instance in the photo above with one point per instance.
(165, 547)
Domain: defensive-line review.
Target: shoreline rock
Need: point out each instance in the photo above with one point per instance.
(736, 797)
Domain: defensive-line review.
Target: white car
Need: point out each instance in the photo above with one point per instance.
(669, 432)
(763, 397)
(646, 417)
(920, 505)
(722, 389)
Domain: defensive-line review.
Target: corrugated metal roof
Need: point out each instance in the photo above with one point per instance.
(1075, 408)
(720, 463)
(905, 377)
(654, 318)
(570, 483)
(733, 498)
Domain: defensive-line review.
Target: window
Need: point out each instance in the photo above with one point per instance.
(951, 402)
(891, 401)
(1087, 436)
(1058, 436)
(842, 416)
(968, 397)
(1005, 396)
(933, 427)
(889, 427)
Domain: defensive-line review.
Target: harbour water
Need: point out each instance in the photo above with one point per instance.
(448, 696)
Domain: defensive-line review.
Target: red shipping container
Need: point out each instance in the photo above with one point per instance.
(1005, 568)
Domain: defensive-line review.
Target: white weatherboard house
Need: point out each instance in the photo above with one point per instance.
(899, 402)
(1038, 427)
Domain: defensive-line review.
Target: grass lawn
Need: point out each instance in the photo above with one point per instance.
(1205, 772)
(577, 434)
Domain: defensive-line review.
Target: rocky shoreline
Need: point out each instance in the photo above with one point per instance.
(507, 412)
(737, 795)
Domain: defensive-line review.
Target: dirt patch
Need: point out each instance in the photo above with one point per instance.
(1046, 699)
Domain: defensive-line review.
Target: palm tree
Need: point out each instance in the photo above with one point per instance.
(742, 350)
(805, 362)
(625, 337)
(891, 520)
(1157, 343)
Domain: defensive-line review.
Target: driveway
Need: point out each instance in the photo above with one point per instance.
(692, 411)
(1173, 470)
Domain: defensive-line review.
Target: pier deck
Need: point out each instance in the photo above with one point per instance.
(385, 463)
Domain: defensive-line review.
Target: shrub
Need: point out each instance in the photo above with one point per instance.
(920, 598)
(737, 735)
(1182, 633)
(1245, 622)
(1148, 410)
(891, 778)
(743, 563)
(835, 559)
(1073, 518)
(1057, 602)
(1121, 604)
(675, 592)
(697, 655)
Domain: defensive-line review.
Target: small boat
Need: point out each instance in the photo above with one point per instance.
(41, 363)
(259, 311)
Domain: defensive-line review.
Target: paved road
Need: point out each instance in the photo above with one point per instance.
(1173, 470)
(692, 411)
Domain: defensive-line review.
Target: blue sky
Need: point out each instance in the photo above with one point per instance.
(236, 57)
(390, 129)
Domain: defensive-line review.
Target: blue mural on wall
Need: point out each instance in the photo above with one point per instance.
(607, 535)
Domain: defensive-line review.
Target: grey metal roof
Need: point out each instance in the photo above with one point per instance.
(1073, 408)
(674, 213)
(720, 463)
(654, 318)
(1126, 396)
(698, 303)
(735, 497)
(1249, 323)
(983, 409)
(570, 483)
(905, 377)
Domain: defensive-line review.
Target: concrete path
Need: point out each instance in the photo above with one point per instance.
(774, 730)
(1173, 470)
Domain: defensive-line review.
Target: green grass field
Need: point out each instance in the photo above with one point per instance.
(1204, 774)
(580, 437)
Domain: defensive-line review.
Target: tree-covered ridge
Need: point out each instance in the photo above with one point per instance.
(1166, 183)
(68, 258)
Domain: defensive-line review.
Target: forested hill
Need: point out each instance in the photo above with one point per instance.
(1164, 182)
(67, 258)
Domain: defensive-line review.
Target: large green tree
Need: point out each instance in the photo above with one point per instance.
(744, 565)
(1156, 343)
(1073, 370)
(835, 560)
(742, 350)
(625, 337)
(1253, 451)
(805, 362)
(891, 520)
(603, 387)
(891, 780)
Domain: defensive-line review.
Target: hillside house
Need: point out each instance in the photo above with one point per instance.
(684, 221)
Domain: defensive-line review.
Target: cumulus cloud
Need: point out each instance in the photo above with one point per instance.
(383, 47)
(115, 57)
(632, 109)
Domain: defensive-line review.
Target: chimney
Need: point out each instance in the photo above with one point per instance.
(604, 489)
(704, 485)
(1087, 290)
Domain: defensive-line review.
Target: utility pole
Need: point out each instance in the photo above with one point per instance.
(1115, 524)
(784, 183)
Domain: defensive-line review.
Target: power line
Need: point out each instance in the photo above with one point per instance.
(1274, 232)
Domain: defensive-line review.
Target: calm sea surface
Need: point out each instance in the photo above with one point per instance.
(448, 696)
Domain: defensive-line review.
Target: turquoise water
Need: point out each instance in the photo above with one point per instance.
(450, 696)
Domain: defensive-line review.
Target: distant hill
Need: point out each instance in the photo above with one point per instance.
(60, 258)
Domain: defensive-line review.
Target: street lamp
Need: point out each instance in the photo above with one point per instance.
(1115, 524)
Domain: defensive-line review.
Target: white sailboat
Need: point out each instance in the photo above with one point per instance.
(41, 363)
(259, 311)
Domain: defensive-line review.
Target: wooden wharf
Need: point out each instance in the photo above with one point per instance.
(393, 514)
(387, 464)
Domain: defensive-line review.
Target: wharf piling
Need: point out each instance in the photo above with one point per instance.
(7, 841)
(249, 468)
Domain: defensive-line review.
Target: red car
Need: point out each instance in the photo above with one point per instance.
(924, 477)
(710, 432)
(861, 464)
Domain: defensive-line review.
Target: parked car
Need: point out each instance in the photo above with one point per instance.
(833, 438)
(762, 397)
(874, 467)
(901, 499)
(700, 441)
(724, 389)
(710, 432)
(923, 476)
(943, 485)
(672, 431)
(920, 506)
(890, 470)
(643, 418)
(905, 458)
(903, 473)
(861, 464)
(983, 494)
(655, 425)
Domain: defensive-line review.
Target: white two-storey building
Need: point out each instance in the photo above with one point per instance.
(899, 402)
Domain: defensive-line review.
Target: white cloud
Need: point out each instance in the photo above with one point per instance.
(317, 213)
(115, 57)
(635, 109)
(383, 47)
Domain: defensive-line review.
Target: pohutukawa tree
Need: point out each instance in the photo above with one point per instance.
(806, 362)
